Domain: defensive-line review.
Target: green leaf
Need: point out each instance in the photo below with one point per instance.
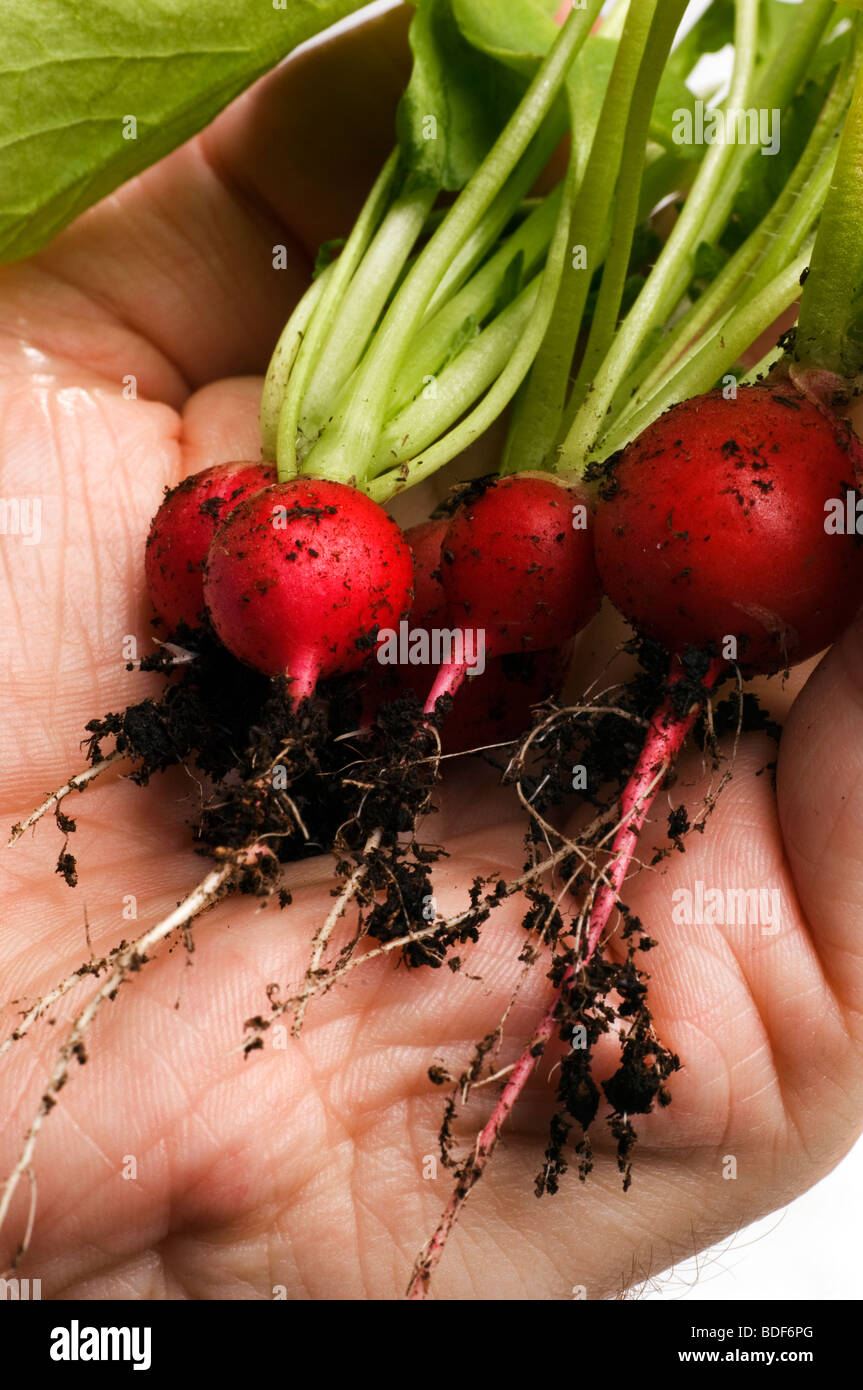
(710, 261)
(520, 33)
(75, 74)
(456, 103)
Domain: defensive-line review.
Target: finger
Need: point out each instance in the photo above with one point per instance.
(221, 424)
(820, 790)
(308, 141)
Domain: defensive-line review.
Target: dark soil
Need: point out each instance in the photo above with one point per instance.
(308, 781)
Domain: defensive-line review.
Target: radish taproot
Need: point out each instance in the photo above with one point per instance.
(490, 708)
(302, 575)
(518, 567)
(181, 533)
(722, 549)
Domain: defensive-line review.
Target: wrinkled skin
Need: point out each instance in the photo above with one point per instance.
(303, 1166)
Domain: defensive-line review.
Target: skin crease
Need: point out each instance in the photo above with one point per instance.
(303, 1166)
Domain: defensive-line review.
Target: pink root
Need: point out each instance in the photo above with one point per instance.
(666, 734)
(448, 681)
(485, 1146)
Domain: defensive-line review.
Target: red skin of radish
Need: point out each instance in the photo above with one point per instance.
(492, 708)
(182, 531)
(516, 567)
(301, 575)
(713, 526)
(425, 540)
(514, 564)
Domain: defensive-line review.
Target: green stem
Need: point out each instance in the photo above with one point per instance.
(627, 197)
(738, 281)
(773, 90)
(436, 340)
(672, 271)
(457, 387)
(769, 247)
(339, 276)
(363, 303)
(283, 360)
(498, 397)
(715, 357)
(538, 413)
(492, 223)
(831, 297)
(345, 450)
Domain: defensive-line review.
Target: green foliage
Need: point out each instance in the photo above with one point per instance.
(456, 103)
(73, 73)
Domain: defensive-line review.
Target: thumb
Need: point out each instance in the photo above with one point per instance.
(820, 796)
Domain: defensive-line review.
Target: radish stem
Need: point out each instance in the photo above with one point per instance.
(343, 452)
(316, 331)
(716, 355)
(829, 332)
(672, 270)
(540, 409)
(766, 251)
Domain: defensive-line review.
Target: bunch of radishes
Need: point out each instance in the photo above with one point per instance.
(299, 578)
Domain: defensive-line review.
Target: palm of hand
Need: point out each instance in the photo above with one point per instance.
(173, 1168)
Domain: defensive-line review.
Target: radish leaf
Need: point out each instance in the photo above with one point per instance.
(91, 94)
(456, 103)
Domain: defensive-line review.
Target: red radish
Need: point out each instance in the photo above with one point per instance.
(425, 541)
(518, 566)
(722, 536)
(494, 707)
(713, 526)
(301, 577)
(182, 530)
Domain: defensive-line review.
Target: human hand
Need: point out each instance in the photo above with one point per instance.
(304, 1166)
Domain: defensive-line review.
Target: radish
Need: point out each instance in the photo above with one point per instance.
(182, 530)
(491, 708)
(711, 528)
(300, 578)
(518, 566)
(425, 541)
(712, 533)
